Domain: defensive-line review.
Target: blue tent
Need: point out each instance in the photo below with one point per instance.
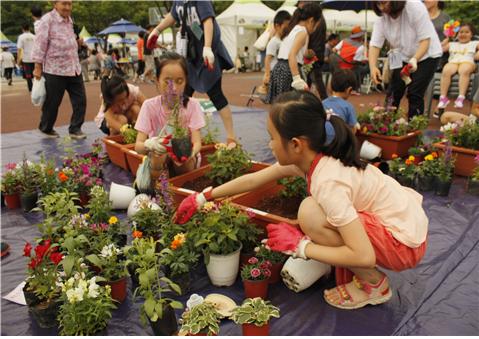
(12, 47)
(127, 41)
(121, 26)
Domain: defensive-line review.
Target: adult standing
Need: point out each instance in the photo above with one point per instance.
(439, 18)
(206, 54)
(140, 43)
(36, 12)
(24, 57)
(55, 54)
(150, 68)
(414, 43)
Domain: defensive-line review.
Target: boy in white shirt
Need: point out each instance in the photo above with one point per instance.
(7, 60)
(24, 58)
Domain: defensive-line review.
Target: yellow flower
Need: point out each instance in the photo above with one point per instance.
(429, 157)
(113, 220)
(124, 128)
(365, 129)
(87, 216)
(178, 240)
(411, 157)
(208, 206)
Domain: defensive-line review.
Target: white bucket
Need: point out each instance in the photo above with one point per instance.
(223, 269)
(121, 196)
(139, 201)
(299, 274)
(370, 151)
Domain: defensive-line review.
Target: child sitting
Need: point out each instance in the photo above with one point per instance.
(461, 60)
(343, 82)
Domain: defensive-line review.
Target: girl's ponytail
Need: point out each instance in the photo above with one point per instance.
(310, 10)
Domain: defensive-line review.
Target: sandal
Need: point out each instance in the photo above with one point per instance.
(375, 295)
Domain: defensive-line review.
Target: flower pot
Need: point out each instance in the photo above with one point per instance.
(299, 274)
(133, 158)
(12, 200)
(223, 269)
(167, 324)
(276, 273)
(114, 148)
(118, 289)
(181, 147)
(28, 201)
(30, 298)
(405, 181)
(84, 199)
(135, 204)
(135, 279)
(425, 184)
(369, 151)
(244, 257)
(465, 163)
(121, 196)
(256, 288)
(442, 188)
(473, 186)
(183, 280)
(205, 151)
(253, 330)
(45, 313)
(390, 144)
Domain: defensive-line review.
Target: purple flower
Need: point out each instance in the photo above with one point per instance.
(476, 159)
(253, 260)
(255, 272)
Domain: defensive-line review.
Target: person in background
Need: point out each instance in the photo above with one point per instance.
(333, 40)
(438, 17)
(140, 43)
(94, 64)
(150, 69)
(448, 117)
(24, 57)
(7, 60)
(36, 12)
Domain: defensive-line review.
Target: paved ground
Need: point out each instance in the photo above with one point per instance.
(18, 114)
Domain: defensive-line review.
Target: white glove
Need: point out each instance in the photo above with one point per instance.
(155, 144)
(208, 57)
(413, 63)
(203, 197)
(298, 83)
(301, 248)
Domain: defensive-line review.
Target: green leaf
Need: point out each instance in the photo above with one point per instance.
(93, 258)
(176, 304)
(67, 264)
(150, 307)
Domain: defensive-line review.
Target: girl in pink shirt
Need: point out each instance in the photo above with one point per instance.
(153, 121)
(356, 219)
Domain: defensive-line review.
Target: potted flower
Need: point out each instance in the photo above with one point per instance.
(255, 277)
(86, 307)
(113, 270)
(149, 221)
(202, 319)
(29, 185)
(254, 315)
(473, 182)
(445, 172)
(11, 186)
(403, 171)
(276, 259)
(419, 152)
(427, 172)
(41, 290)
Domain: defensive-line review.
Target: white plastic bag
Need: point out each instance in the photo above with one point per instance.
(143, 176)
(39, 92)
(261, 43)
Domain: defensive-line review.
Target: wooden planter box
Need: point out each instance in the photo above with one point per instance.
(114, 148)
(133, 158)
(180, 193)
(390, 144)
(465, 163)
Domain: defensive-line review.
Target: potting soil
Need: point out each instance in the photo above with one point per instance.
(284, 207)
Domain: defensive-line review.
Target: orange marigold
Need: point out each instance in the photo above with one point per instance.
(434, 154)
(62, 176)
(137, 234)
(408, 162)
(178, 240)
(394, 156)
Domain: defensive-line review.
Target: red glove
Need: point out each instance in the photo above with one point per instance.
(191, 205)
(286, 238)
(153, 37)
(406, 74)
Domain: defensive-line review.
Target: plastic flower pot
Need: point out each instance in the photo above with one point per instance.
(12, 200)
(167, 324)
(181, 147)
(118, 289)
(121, 196)
(45, 313)
(134, 205)
(369, 151)
(405, 181)
(425, 184)
(299, 274)
(30, 298)
(114, 148)
(256, 288)
(390, 144)
(223, 269)
(276, 273)
(441, 188)
(253, 330)
(465, 163)
(473, 186)
(28, 201)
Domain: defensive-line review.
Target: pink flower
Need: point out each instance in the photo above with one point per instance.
(85, 169)
(252, 260)
(267, 273)
(476, 159)
(11, 166)
(265, 265)
(250, 214)
(255, 272)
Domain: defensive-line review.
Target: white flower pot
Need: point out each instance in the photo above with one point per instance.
(369, 151)
(299, 274)
(121, 196)
(138, 201)
(223, 269)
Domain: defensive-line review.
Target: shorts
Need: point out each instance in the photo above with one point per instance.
(149, 63)
(28, 70)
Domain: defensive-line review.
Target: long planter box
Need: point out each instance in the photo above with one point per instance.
(390, 144)
(205, 151)
(133, 158)
(114, 148)
(465, 163)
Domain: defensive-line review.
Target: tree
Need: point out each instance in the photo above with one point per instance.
(464, 11)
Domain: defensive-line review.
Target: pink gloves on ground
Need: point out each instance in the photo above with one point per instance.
(288, 239)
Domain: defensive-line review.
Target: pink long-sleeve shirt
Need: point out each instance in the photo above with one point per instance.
(56, 45)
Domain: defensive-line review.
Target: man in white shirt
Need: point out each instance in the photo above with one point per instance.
(24, 58)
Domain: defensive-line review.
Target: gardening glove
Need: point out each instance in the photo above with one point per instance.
(405, 74)
(158, 144)
(412, 65)
(288, 239)
(153, 37)
(191, 205)
(299, 84)
(208, 57)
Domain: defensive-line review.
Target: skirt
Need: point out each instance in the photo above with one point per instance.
(280, 82)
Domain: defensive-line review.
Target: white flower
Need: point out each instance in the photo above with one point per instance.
(448, 126)
(401, 121)
(471, 119)
(93, 288)
(83, 285)
(77, 276)
(108, 251)
(75, 295)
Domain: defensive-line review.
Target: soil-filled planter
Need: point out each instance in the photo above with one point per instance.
(442, 188)
(223, 269)
(253, 289)
(30, 297)
(473, 187)
(181, 147)
(405, 181)
(45, 313)
(118, 289)
(275, 273)
(253, 330)
(425, 184)
(133, 158)
(29, 201)
(114, 148)
(12, 201)
(465, 163)
(205, 151)
(167, 325)
(390, 144)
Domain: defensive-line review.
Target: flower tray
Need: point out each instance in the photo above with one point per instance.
(465, 164)
(133, 158)
(114, 148)
(390, 144)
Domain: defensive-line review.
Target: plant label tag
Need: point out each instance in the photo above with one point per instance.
(17, 295)
(255, 211)
(184, 190)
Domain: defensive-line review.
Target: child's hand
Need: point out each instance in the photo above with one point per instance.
(288, 239)
(152, 39)
(191, 205)
(412, 65)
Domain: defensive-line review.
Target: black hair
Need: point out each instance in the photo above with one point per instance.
(300, 114)
(281, 17)
(471, 27)
(36, 11)
(332, 36)
(310, 10)
(170, 57)
(343, 79)
(441, 5)
(111, 87)
(94, 52)
(110, 52)
(141, 34)
(396, 8)
(26, 26)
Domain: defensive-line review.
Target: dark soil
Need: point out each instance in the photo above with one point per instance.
(284, 207)
(198, 184)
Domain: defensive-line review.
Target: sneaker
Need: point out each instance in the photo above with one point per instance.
(438, 113)
(52, 134)
(443, 102)
(459, 103)
(78, 135)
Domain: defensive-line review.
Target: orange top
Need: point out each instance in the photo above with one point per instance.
(139, 44)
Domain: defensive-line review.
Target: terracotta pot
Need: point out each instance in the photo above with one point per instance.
(45, 313)
(205, 151)
(167, 324)
(473, 187)
(425, 184)
(253, 330)
(114, 148)
(118, 289)
(441, 188)
(276, 273)
(390, 144)
(181, 147)
(253, 289)
(133, 158)
(28, 201)
(465, 163)
(12, 200)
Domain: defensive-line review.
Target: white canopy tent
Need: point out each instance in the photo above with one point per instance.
(241, 24)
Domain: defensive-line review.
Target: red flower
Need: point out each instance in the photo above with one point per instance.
(62, 176)
(252, 260)
(33, 263)
(27, 250)
(56, 257)
(41, 250)
(255, 272)
(267, 273)
(183, 158)
(265, 265)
